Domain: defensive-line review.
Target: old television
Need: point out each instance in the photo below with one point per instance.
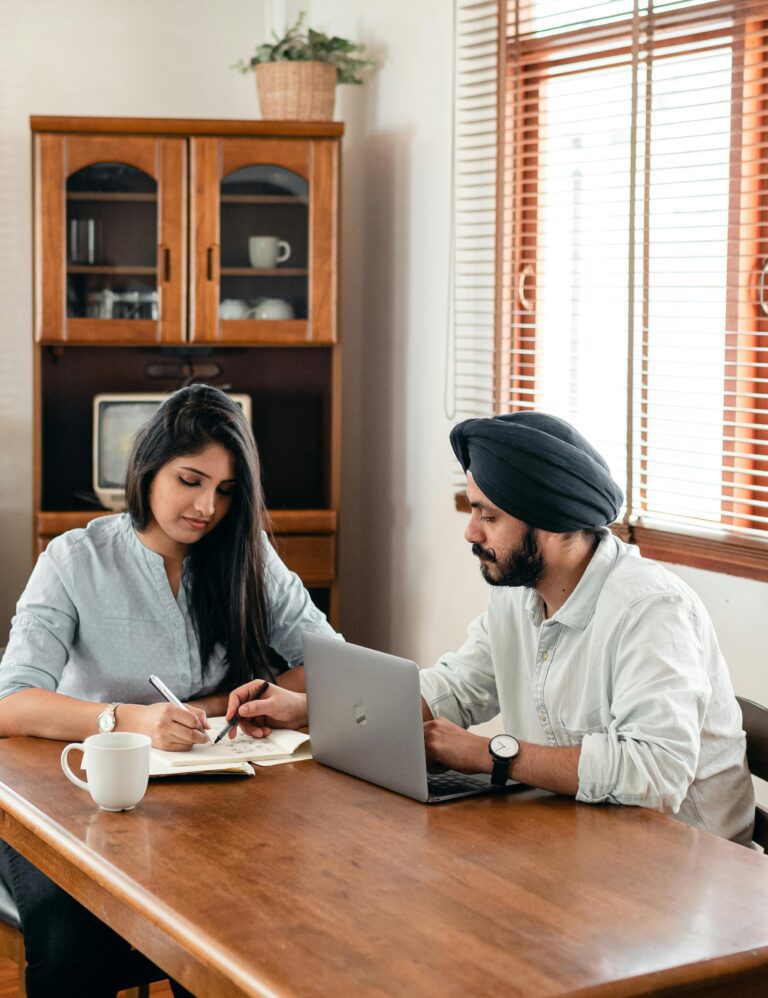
(116, 421)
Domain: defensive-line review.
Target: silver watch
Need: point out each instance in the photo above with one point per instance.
(106, 720)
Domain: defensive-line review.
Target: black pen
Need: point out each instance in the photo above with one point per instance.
(230, 724)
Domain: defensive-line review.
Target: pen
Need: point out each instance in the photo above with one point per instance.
(166, 694)
(230, 724)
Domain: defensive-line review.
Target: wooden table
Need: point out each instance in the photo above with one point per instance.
(304, 881)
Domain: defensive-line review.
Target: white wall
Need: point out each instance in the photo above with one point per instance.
(409, 583)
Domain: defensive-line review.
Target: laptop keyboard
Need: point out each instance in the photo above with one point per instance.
(443, 784)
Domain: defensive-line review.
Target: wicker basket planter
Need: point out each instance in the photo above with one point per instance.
(296, 91)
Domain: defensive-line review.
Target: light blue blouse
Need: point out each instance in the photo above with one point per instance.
(98, 616)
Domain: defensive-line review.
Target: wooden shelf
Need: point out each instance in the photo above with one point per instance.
(263, 199)
(264, 271)
(108, 196)
(284, 521)
(91, 268)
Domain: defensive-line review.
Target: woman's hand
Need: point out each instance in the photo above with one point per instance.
(175, 729)
(275, 708)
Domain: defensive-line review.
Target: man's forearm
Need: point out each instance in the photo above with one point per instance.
(549, 767)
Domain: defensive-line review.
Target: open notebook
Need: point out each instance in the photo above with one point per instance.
(232, 755)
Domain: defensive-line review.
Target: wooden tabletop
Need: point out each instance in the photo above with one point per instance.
(304, 881)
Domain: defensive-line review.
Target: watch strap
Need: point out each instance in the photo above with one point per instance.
(502, 761)
(110, 710)
(500, 772)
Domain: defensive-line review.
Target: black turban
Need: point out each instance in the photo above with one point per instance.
(539, 469)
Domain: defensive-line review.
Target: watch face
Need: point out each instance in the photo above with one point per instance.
(106, 721)
(505, 746)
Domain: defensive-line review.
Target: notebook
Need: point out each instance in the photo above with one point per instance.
(365, 719)
(232, 755)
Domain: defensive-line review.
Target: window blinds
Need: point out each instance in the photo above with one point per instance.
(629, 251)
(473, 263)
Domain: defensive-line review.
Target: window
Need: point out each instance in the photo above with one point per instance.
(626, 174)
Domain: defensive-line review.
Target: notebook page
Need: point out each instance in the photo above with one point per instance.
(280, 744)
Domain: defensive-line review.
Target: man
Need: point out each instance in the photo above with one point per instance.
(604, 666)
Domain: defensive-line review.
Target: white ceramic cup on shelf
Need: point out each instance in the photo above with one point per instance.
(234, 308)
(267, 251)
(273, 308)
(117, 768)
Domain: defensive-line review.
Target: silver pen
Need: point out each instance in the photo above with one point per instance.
(170, 696)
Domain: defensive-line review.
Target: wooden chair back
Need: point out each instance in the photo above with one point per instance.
(755, 720)
(12, 948)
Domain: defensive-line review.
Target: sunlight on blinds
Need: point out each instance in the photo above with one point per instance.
(473, 264)
(611, 244)
(682, 366)
(582, 256)
(633, 205)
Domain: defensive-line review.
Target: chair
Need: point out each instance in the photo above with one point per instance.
(11, 939)
(755, 720)
(12, 943)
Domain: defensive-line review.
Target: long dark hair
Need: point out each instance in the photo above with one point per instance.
(224, 574)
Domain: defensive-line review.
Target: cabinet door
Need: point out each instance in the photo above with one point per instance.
(264, 240)
(110, 239)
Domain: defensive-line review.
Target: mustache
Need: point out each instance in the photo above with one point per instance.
(484, 554)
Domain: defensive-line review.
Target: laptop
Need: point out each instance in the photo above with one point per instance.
(365, 719)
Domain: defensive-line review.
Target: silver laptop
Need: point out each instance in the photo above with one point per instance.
(365, 719)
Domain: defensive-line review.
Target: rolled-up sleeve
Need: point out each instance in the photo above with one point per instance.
(462, 686)
(649, 754)
(291, 609)
(42, 632)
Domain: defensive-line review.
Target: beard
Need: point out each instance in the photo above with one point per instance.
(523, 566)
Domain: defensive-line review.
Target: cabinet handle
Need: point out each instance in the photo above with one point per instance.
(166, 264)
(209, 264)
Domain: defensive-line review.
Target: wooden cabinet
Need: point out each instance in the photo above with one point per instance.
(174, 250)
(110, 239)
(245, 186)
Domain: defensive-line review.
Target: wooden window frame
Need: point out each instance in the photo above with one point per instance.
(730, 553)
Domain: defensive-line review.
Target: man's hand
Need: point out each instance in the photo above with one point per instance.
(451, 747)
(276, 708)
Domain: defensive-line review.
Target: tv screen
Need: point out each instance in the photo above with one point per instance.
(116, 421)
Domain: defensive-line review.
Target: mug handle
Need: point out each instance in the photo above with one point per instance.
(283, 251)
(65, 765)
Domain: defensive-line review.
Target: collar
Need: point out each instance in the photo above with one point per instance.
(577, 610)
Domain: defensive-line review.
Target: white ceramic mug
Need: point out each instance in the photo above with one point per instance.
(266, 251)
(273, 308)
(117, 766)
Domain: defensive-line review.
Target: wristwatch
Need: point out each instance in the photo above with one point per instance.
(106, 720)
(503, 749)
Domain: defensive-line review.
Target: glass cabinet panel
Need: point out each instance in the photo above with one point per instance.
(111, 243)
(264, 228)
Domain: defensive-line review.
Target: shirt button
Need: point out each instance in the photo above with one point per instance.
(543, 716)
(543, 655)
(184, 678)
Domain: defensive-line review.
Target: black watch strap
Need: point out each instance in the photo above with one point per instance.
(503, 749)
(500, 772)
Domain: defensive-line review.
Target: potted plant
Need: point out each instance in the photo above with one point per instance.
(296, 75)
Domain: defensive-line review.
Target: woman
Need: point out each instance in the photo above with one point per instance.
(185, 584)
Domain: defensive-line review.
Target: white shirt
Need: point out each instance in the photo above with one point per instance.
(630, 669)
